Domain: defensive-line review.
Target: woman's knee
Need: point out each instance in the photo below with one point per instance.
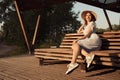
(75, 46)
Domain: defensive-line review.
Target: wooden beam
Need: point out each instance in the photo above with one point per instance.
(22, 26)
(36, 29)
(108, 20)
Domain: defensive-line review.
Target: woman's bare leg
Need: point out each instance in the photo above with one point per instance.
(84, 52)
(73, 64)
(76, 51)
(89, 57)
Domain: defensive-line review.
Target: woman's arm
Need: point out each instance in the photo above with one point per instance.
(80, 30)
(86, 35)
(88, 30)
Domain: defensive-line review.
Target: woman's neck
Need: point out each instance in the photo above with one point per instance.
(88, 22)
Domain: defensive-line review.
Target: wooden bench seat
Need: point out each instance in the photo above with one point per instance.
(108, 55)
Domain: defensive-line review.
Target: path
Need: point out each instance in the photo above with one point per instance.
(26, 68)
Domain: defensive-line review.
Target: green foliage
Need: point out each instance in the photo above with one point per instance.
(55, 22)
(116, 27)
(100, 30)
(11, 29)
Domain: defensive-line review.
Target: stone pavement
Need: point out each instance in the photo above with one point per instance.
(26, 67)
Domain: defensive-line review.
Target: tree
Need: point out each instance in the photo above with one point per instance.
(116, 27)
(55, 21)
(11, 26)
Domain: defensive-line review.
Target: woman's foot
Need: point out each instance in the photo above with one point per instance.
(89, 59)
(71, 67)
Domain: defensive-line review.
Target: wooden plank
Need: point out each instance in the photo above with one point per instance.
(69, 40)
(70, 34)
(72, 37)
(110, 36)
(116, 40)
(112, 47)
(65, 46)
(106, 35)
(105, 47)
(110, 44)
(59, 52)
(67, 59)
(58, 58)
(66, 43)
(69, 51)
(52, 49)
(115, 53)
(112, 32)
(101, 38)
(36, 29)
(112, 59)
(108, 59)
(22, 26)
(55, 54)
(113, 40)
(106, 63)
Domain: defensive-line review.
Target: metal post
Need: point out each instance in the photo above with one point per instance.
(22, 26)
(106, 15)
(35, 32)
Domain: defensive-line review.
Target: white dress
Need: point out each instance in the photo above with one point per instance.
(93, 42)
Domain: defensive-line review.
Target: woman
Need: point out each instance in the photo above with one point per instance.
(89, 42)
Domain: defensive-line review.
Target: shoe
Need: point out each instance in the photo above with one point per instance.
(71, 67)
(89, 59)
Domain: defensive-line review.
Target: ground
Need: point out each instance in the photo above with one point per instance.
(26, 67)
(5, 49)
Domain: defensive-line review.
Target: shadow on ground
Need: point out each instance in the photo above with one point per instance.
(104, 70)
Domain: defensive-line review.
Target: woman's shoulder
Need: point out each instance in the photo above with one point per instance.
(92, 22)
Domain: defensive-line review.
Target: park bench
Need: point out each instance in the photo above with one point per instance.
(109, 54)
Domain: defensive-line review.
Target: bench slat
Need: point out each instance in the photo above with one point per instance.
(69, 51)
(107, 63)
(110, 36)
(104, 47)
(110, 40)
(70, 34)
(112, 43)
(112, 32)
(59, 58)
(113, 59)
(55, 54)
(72, 37)
(94, 62)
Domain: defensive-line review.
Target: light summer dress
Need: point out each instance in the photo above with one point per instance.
(93, 42)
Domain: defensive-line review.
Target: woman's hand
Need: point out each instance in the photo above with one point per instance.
(80, 31)
(75, 41)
